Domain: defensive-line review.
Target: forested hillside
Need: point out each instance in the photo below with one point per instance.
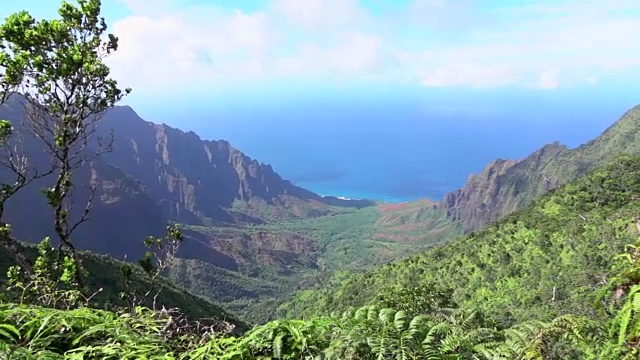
(541, 262)
(505, 186)
(545, 283)
(108, 283)
(558, 279)
(245, 246)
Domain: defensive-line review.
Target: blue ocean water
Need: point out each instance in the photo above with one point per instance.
(397, 150)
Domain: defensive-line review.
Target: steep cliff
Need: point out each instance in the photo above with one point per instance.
(506, 185)
(157, 174)
(202, 182)
(122, 214)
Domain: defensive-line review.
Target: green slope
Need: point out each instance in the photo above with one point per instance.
(103, 274)
(540, 262)
(270, 262)
(547, 262)
(506, 186)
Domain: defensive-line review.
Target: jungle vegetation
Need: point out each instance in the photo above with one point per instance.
(559, 279)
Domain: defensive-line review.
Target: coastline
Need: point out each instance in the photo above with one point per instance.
(372, 193)
(360, 196)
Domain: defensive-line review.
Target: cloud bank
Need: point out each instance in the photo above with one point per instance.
(167, 44)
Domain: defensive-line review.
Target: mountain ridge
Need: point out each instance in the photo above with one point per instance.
(505, 186)
(242, 221)
(503, 189)
(190, 180)
(529, 262)
(192, 191)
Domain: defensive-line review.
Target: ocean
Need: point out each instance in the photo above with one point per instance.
(396, 151)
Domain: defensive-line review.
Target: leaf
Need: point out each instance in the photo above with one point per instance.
(9, 332)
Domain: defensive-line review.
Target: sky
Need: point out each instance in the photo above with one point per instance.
(250, 49)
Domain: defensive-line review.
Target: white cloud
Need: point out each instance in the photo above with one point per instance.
(570, 40)
(356, 52)
(147, 6)
(444, 43)
(165, 49)
(168, 49)
(456, 15)
(477, 76)
(549, 79)
(320, 15)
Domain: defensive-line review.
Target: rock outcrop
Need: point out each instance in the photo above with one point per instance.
(505, 186)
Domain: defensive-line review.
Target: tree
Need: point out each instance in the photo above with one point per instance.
(415, 298)
(57, 65)
(14, 165)
(12, 161)
(162, 251)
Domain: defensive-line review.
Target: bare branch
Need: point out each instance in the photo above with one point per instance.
(15, 168)
(67, 90)
(87, 209)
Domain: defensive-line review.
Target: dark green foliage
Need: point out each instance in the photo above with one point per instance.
(103, 276)
(507, 186)
(58, 67)
(299, 254)
(35, 333)
(543, 283)
(366, 333)
(415, 299)
(162, 251)
(51, 283)
(541, 262)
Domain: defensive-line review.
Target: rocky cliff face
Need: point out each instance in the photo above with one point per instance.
(199, 181)
(505, 186)
(122, 215)
(154, 174)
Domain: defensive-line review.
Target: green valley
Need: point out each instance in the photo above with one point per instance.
(537, 297)
(278, 258)
(543, 261)
(163, 245)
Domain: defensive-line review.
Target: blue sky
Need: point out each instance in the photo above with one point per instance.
(207, 49)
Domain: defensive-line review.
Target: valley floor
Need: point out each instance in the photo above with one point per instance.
(257, 267)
